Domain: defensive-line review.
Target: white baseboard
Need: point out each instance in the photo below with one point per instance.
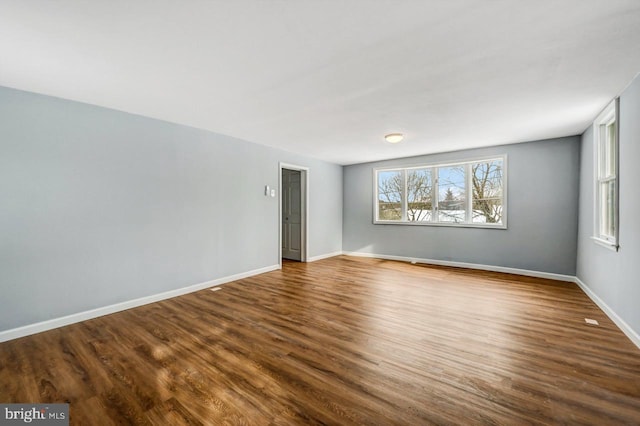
(106, 310)
(622, 325)
(324, 256)
(526, 272)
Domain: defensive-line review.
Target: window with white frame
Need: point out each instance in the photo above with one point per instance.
(470, 193)
(605, 130)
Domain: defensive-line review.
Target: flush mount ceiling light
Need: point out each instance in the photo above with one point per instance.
(394, 137)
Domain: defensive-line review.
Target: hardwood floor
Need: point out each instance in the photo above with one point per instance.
(341, 341)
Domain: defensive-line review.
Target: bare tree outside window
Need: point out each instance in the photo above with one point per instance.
(487, 192)
(419, 195)
(441, 194)
(390, 184)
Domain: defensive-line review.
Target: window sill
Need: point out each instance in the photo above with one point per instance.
(450, 225)
(605, 243)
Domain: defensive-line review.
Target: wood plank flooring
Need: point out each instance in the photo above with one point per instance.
(341, 341)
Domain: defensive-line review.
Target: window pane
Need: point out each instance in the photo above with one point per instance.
(419, 195)
(611, 150)
(451, 193)
(390, 186)
(607, 219)
(487, 192)
(611, 208)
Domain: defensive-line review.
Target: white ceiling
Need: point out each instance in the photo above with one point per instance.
(329, 78)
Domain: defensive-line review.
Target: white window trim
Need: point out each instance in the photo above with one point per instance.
(611, 112)
(467, 163)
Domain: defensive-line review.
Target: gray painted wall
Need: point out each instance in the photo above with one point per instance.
(615, 277)
(542, 211)
(99, 207)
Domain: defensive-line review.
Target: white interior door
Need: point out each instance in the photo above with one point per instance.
(291, 215)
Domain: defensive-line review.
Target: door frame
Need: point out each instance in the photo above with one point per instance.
(304, 210)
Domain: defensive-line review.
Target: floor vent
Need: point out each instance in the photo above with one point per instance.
(215, 288)
(591, 321)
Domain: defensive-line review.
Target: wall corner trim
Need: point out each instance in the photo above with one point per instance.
(622, 325)
(39, 327)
